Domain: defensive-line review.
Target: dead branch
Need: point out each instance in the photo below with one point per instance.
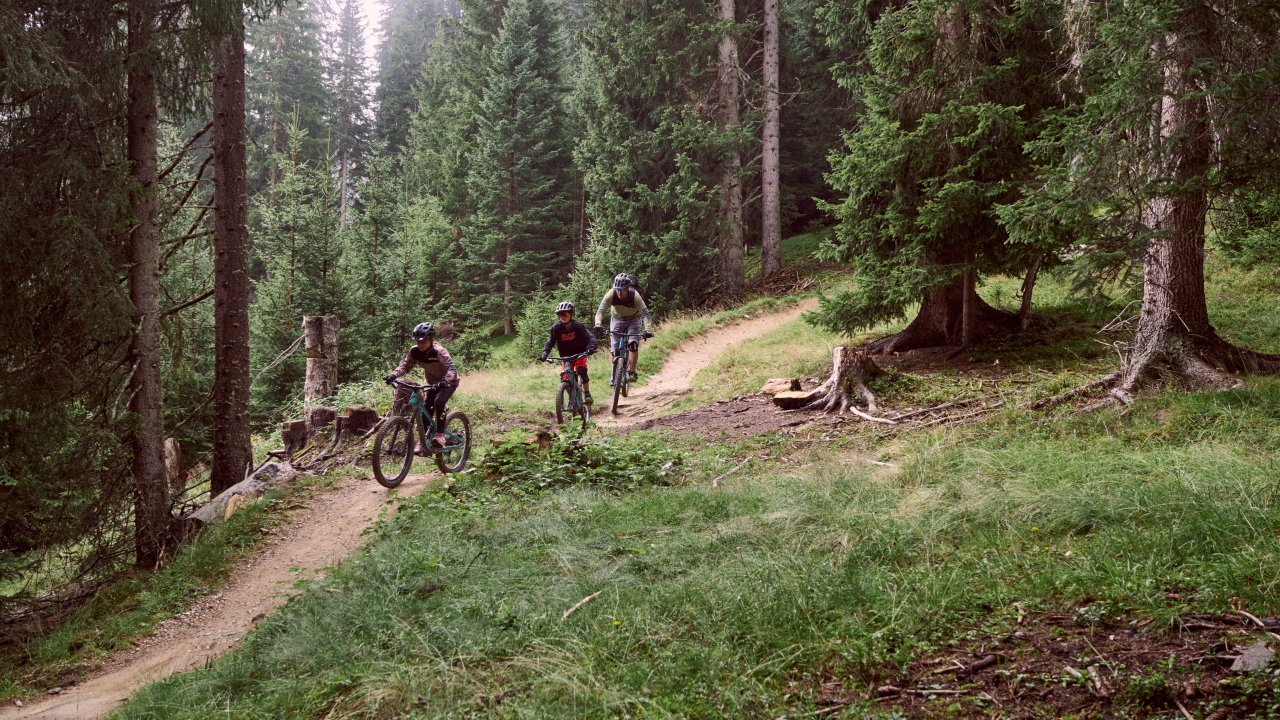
(579, 604)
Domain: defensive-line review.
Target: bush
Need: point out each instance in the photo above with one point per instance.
(521, 465)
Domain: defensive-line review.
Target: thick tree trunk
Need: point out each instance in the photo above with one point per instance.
(1174, 335)
(232, 452)
(1028, 287)
(151, 508)
(320, 337)
(940, 320)
(730, 213)
(770, 220)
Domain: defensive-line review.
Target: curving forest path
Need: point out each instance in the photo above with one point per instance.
(318, 537)
(675, 379)
(327, 531)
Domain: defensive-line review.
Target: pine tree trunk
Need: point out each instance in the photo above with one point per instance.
(232, 452)
(1174, 335)
(940, 322)
(770, 221)
(151, 509)
(730, 213)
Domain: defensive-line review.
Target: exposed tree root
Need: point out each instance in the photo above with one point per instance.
(850, 369)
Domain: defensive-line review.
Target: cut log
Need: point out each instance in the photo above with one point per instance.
(776, 385)
(271, 475)
(795, 399)
(294, 435)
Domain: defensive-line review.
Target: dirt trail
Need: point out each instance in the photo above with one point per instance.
(317, 538)
(675, 378)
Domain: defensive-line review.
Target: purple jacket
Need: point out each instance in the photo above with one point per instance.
(437, 364)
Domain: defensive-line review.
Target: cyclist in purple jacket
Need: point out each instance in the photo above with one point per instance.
(437, 366)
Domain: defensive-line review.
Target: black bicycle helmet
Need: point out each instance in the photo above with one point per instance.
(565, 306)
(423, 331)
(622, 281)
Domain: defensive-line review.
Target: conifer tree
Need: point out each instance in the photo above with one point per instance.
(649, 148)
(347, 78)
(299, 249)
(520, 178)
(409, 29)
(953, 90)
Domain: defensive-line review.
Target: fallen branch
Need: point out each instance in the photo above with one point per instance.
(715, 483)
(981, 664)
(579, 604)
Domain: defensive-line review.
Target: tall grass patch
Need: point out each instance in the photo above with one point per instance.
(682, 601)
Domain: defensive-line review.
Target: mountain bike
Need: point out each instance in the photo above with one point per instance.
(393, 447)
(622, 344)
(570, 402)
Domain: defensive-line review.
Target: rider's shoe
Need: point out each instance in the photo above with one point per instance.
(440, 440)
(421, 452)
(631, 376)
(586, 399)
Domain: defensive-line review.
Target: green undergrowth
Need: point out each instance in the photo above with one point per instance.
(132, 606)
(673, 599)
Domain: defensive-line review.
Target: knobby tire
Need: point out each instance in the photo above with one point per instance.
(394, 444)
(452, 461)
(619, 379)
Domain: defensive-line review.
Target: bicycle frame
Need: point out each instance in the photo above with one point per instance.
(568, 375)
(426, 425)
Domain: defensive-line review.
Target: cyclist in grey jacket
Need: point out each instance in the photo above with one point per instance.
(629, 316)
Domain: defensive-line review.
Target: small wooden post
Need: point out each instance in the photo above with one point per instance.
(320, 333)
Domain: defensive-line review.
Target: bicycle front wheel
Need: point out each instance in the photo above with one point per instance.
(564, 400)
(454, 456)
(619, 380)
(584, 412)
(393, 451)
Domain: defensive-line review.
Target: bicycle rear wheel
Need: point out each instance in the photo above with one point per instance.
(393, 451)
(454, 456)
(619, 380)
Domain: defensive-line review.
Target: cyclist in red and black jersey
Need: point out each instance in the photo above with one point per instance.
(571, 338)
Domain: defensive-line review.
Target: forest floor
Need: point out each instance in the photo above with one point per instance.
(319, 536)
(333, 527)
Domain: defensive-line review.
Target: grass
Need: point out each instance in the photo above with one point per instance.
(132, 606)
(715, 603)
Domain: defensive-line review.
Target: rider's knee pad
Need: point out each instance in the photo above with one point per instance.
(633, 346)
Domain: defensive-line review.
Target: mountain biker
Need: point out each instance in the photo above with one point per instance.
(571, 338)
(437, 366)
(630, 316)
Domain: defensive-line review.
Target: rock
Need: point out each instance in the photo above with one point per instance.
(794, 399)
(55, 691)
(1255, 657)
(777, 385)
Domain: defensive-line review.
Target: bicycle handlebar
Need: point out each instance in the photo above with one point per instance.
(414, 386)
(566, 359)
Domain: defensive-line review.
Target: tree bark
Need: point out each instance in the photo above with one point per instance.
(770, 220)
(940, 320)
(151, 507)
(232, 451)
(1174, 335)
(320, 337)
(730, 212)
(1028, 287)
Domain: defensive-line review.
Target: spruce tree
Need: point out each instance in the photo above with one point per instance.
(649, 148)
(408, 31)
(953, 90)
(521, 177)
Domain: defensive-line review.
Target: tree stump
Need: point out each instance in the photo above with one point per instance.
(319, 417)
(173, 466)
(320, 336)
(850, 369)
(294, 435)
(358, 420)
